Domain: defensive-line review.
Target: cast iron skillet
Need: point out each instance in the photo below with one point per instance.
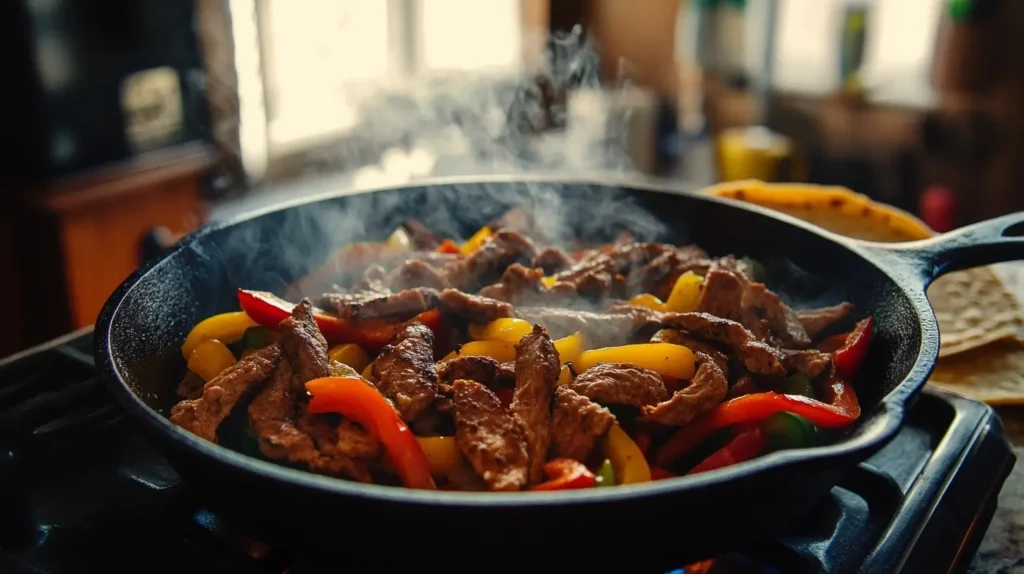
(141, 328)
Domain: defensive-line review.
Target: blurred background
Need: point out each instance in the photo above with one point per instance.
(132, 122)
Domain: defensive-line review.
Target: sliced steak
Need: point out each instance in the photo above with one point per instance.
(722, 295)
(816, 321)
(489, 437)
(191, 386)
(677, 337)
(745, 385)
(422, 236)
(404, 371)
(304, 346)
(620, 384)
(345, 449)
(660, 274)
(396, 306)
(272, 417)
(707, 389)
(551, 260)
(757, 357)
(809, 362)
(537, 370)
(486, 264)
(761, 306)
(202, 416)
(416, 273)
(483, 370)
(577, 424)
(474, 308)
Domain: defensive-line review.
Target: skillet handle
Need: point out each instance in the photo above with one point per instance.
(983, 243)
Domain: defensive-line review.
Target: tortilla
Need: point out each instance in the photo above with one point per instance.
(993, 373)
(980, 321)
(973, 307)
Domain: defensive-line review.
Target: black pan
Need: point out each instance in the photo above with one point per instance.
(141, 328)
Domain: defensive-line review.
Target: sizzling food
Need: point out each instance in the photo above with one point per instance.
(500, 365)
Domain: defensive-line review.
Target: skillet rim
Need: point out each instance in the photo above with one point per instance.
(888, 413)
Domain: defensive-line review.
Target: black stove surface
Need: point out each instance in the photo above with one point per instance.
(82, 491)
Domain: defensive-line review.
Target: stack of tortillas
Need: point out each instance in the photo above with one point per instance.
(981, 323)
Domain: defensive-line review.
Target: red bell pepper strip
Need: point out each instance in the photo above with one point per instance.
(448, 246)
(269, 310)
(745, 446)
(566, 474)
(660, 473)
(849, 357)
(363, 403)
(757, 407)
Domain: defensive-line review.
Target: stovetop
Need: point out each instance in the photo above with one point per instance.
(81, 491)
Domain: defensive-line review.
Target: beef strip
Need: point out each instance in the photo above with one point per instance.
(489, 437)
(660, 274)
(722, 295)
(551, 260)
(757, 357)
(707, 389)
(620, 384)
(601, 329)
(345, 449)
(416, 273)
(816, 321)
(537, 370)
(762, 306)
(577, 424)
(202, 416)
(422, 236)
(272, 416)
(474, 308)
(404, 371)
(486, 264)
(677, 337)
(395, 306)
(304, 346)
(191, 386)
(522, 285)
(809, 362)
(483, 370)
(745, 385)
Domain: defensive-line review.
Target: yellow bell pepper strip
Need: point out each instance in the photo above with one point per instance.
(685, 293)
(226, 328)
(606, 474)
(508, 330)
(361, 402)
(566, 474)
(647, 300)
(368, 372)
(498, 350)
(565, 375)
(756, 407)
(627, 459)
(268, 310)
(209, 358)
(350, 354)
(666, 359)
(570, 348)
(400, 240)
(476, 240)
(339, 369)
(443, 456)
(548, 281)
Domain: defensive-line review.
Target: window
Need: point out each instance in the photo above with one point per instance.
(471, 34)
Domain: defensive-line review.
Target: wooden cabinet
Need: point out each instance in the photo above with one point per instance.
(69, 244)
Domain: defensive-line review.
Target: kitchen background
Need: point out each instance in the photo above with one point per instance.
(132, 122)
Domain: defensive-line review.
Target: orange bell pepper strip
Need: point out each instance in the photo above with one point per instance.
(269, 310)
(756, 407)
(361, 402)
(448, 246)
(566, 474)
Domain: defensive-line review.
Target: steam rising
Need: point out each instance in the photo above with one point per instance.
(494, 121)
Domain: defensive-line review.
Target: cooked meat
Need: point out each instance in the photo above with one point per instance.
(722, 295)
(396, 306)
(489, 437)
(741, 266)
(762, 306)
(809, 362)
(677, 337)
(404, 371)
(757, 357)
(660, 274)
(745, 385)
(551, 260)
(339, 446)
(474, 308)
(707, 389)
(591, 277)
(486, 264)
(483, 370)
(522, 285)
(191, 386)
(304, 346)
(416, 273)
(272, 416)
(536, 377)
(620, 384)
(577, 424)
(816, 321)
(422, 236)
(202, 416)
(601, 329)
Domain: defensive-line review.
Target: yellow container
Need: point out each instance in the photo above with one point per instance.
(753, 152)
